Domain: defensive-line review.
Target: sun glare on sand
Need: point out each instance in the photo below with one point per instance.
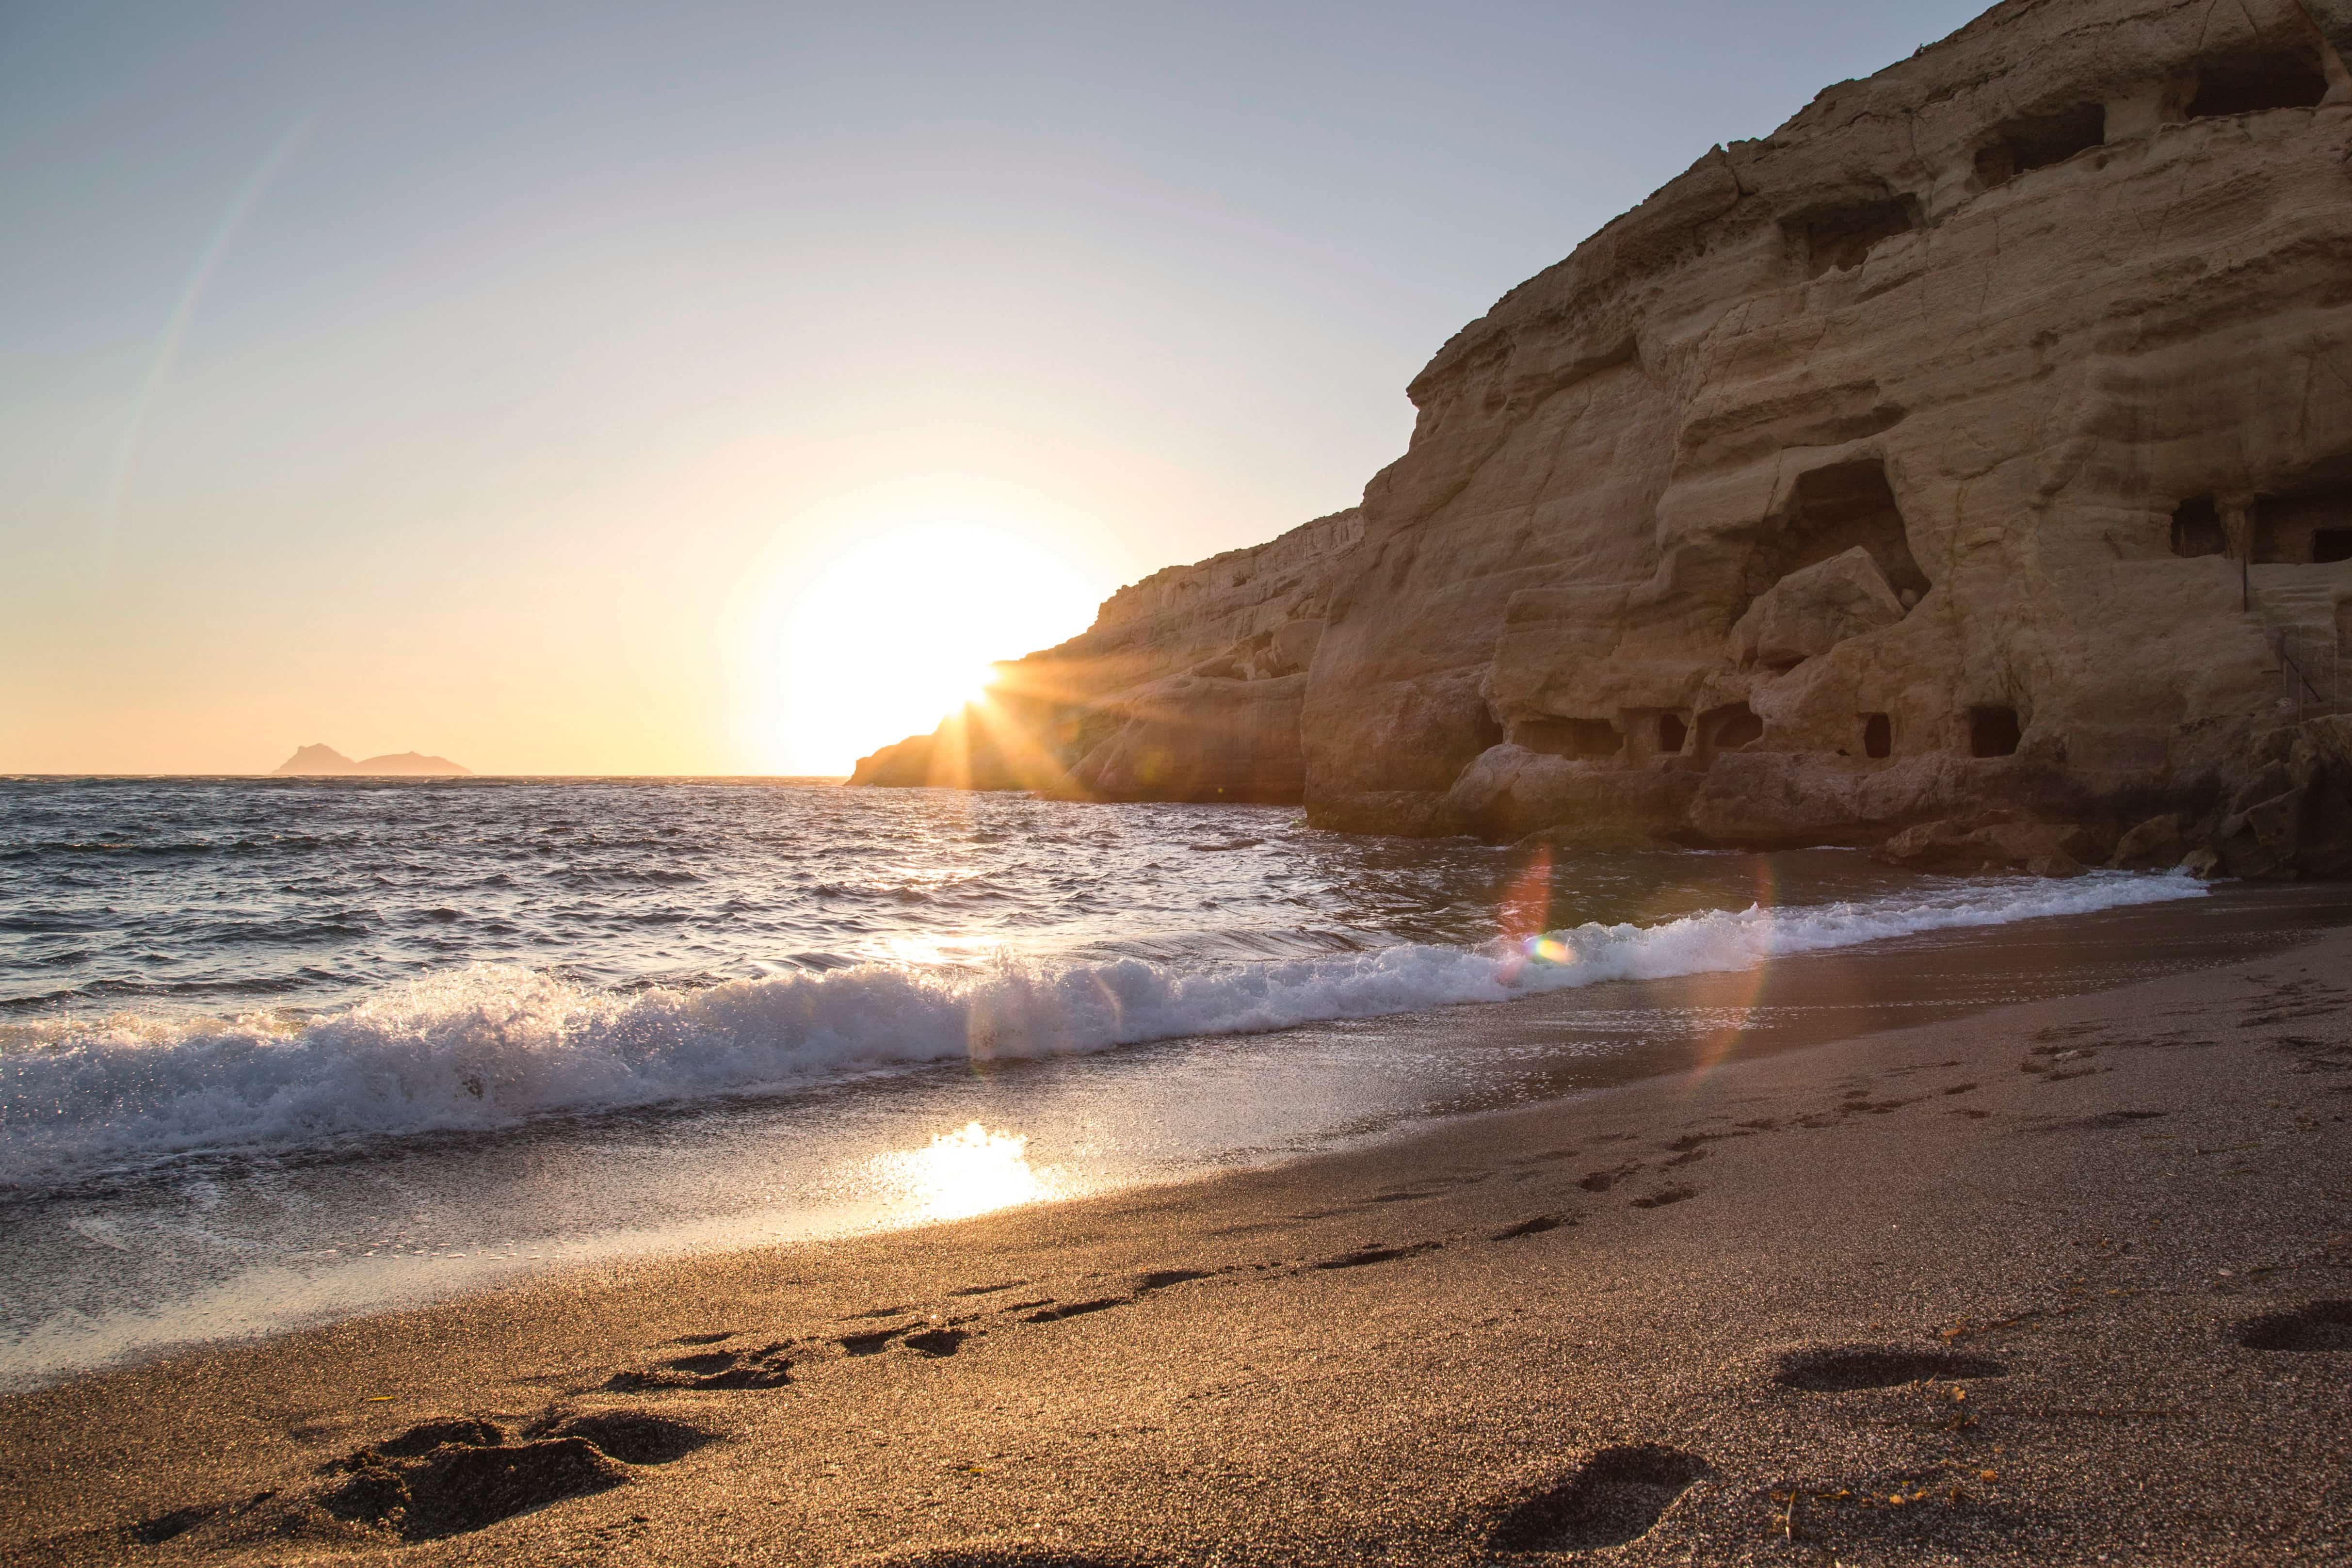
(900, 628)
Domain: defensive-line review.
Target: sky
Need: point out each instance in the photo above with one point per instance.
(701, 388)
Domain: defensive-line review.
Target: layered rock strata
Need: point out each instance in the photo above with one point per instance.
(1965, 468)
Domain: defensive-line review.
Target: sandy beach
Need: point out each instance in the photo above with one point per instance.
(2065, 1281)
(1062, 786)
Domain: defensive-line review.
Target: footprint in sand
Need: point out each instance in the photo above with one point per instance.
(1601, 1181)
(2055, 1064)
(766, 1367)
(171, 1526)
(1536, 1226)
(1375, 1253)
(1843, 1369)
(1160, 1279)
(988, 1556)
(448, 1477)
(1616, 1496)
(2314, 1326)
(454, 1490)
(629, 1436)
(917, 1337)
(1053, 1312)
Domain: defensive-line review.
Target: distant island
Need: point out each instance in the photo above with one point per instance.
(317, 762)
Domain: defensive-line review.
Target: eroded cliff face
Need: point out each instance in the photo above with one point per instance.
(1977, 443)
(1187, 687)
(1966, 467)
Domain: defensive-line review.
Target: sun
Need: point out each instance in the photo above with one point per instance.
(902, 626)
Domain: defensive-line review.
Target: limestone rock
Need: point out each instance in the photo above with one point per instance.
(1509, 791)
(2032, 323)
(2160, 844)
(1294, 646)
(1200, 738)
(1810, 611)
(1972, 453)
(2038, 849)
(1187, 687)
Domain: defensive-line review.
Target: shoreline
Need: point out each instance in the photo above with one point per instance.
(100, 1281)
(1464, 1315)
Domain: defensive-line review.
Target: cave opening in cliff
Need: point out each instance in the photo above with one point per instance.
(2248, 84)
(1586, 739)
(2197, 528)
(1877, 735)
(1672, 733)
(2039, 140)
(1728, 729)
(1835, 239)
(1830, 511)
(2294, 530)
(1994, 732)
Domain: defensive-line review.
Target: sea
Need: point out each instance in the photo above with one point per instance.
(274, 1051)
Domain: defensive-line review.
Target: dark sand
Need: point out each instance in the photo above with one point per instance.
(2043, 1284)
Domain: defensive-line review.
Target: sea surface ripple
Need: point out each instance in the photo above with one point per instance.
(200, 964)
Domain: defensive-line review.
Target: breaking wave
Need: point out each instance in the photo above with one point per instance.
(494, 1045)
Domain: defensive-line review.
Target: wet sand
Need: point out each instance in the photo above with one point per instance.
(2046, 1283)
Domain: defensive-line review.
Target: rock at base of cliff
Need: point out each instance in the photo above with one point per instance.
(1959, 849)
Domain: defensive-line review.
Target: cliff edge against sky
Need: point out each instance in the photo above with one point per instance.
(1965, 468)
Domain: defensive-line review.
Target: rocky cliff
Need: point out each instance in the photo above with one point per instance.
(1964, 467)
(1188, 686)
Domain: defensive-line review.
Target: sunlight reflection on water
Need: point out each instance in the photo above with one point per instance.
(966, 1173)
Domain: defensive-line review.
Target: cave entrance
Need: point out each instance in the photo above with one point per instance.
(1485, 731)
(1877, 735)
(1728, 729)
(2294, 530)
(2196, 528)
(2039, 140)
(2248, 84)
(1584, 739)
(1672, 733)
(1830, 511)
(1994, 732)
(1834, 239)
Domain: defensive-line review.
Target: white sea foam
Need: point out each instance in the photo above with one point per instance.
(494, 1045)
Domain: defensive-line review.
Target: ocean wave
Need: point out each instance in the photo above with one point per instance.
(495, 1046)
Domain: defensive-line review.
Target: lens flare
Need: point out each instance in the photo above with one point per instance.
(1523, 914)
(1553, 947)
(1724, 1040)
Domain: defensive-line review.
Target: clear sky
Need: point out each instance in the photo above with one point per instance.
(709, 388)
